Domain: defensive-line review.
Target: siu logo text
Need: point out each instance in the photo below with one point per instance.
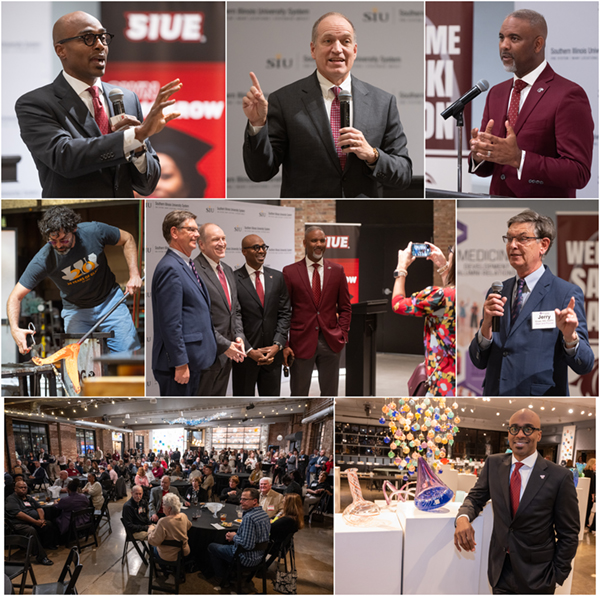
(338, 242)
(165, 26)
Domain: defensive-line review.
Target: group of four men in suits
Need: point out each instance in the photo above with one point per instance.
(208, 318)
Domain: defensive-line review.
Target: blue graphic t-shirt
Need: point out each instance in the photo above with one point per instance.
(82, 275)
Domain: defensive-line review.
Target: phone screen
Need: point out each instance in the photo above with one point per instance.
(420, 250)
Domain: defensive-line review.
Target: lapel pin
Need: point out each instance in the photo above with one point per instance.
(540, 89)
(542, 476)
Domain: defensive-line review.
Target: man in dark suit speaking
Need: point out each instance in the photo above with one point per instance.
(537, 132)
(266, 314)
(66, 125)
(299, 127)
(536, 514)
(543, 330)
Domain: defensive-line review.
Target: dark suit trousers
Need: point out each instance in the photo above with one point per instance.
(247, 375)
(214, 380)
(168, 386)
(328, 366)
(509, 584)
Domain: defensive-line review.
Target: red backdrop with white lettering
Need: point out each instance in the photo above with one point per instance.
(577, 244)
(156, 43)
(342, 248)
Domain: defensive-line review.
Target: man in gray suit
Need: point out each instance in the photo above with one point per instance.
(156, 497)
(224, 309)
(66, 126)
(299, 127)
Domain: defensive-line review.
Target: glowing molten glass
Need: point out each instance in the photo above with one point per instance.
(69, 354)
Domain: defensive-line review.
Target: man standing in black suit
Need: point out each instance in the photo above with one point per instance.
(266, 315)
(536, 514)
(224, 309)
(298, 128)
(66, 125)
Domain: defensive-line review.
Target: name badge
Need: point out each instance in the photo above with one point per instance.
(271, 507)
(543, 319)
(27, 504)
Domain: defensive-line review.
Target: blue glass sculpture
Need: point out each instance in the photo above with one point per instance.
(431, 492)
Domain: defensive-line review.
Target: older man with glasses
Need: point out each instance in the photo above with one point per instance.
(542, 329)
(536, 514)
(266, 316)
(78, 149)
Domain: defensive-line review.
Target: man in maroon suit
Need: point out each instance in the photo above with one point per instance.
(538, 137)
(321, 314)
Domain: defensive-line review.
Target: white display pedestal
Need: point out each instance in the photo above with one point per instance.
(432, 564)
(363, 555)
(583, 489)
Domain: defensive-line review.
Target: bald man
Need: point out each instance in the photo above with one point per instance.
(66, 125)
(536, 514)
(266, 315)
(537, 134)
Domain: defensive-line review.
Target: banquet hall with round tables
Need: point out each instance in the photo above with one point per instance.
(163, 495)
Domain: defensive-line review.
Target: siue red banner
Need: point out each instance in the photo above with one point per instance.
(577, 244)
(342, 248)
(156, 43)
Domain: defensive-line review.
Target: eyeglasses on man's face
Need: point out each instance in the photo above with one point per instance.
(190, 229)
(257, 247)
(89, 39)
(520, 239)
(514, 429)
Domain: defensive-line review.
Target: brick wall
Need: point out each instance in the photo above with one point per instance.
(67, 440)
(279, 428)
(444, 230)
(319, 210)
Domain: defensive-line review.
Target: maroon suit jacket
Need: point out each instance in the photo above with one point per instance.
(331, 316)
(554, 127)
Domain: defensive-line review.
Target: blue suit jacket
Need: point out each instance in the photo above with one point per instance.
(526, 361)
(72, 156)
(183, 330)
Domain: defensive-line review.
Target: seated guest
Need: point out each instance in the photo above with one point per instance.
(27, 517)
(208, 481)
(315, 492)
(62, 481)
(177, 473)
(157, 470)
(72, 470)
(225, 468)
(289, 522)
(104, 476)
(270, 500)
(255, 528)
(196, 492)
(78, 465)
(95, 468)
(94, 490)
(39, 475)
(291, 486)
(148, 471)
(156, 498)
(194, 472)
(233, 493)
(173, 526)
(112, 474)
(74, 501)
(135, 514)
(20, 469)
(256, 475)
(329, 465)
(140, 478)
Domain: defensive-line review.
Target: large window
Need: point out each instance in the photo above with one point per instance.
(30, 437)
(86, 442)
(236, 438)
(139, 442)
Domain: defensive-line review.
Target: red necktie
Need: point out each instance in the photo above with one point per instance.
(224, 284)
(515, 488)
(316, 284)
(259, 288)
(513, 108)
(334, 119)
(99, 113)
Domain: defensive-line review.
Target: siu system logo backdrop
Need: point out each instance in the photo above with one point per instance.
(156, 43)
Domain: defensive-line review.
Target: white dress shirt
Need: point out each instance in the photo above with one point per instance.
(214, 266)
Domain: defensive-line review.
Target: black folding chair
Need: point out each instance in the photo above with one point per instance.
(129, 537)
(73, 568)
(320, 507)
(158, 580)
(104, 514)
(15, 568)
(243, 573)
(81, 526)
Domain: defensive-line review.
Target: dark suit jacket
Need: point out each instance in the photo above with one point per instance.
(331, 316)
(156, 497)
(526, 361)
(554, 127)
(543, 536)
(183, 331)
(298, 137)
(227, 322)
(264, 325)
(72, 156)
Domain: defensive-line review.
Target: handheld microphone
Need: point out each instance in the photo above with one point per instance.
(459, 105)
(496, 289)
(345, 98)
(116, 98)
